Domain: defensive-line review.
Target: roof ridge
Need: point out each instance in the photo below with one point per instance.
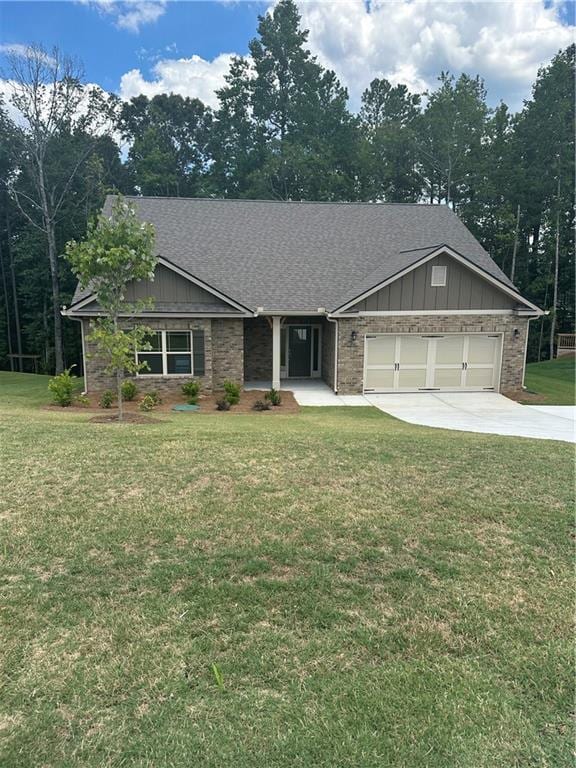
(280, 202)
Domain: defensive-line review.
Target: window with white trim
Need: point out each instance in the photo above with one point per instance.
(438, 277)
(170, 354)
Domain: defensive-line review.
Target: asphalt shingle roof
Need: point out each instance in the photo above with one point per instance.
(300, 256)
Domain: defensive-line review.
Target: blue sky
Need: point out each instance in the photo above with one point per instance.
(156, 46)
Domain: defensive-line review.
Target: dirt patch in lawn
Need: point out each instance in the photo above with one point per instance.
(525, 396)
(207, 403)
(129, 417)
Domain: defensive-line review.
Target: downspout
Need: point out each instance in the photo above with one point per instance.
(332, 320)
(526, 348)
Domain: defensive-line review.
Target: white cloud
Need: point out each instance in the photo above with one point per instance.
(505, 41)
(129, 14)
(21, 50)
(194, 77)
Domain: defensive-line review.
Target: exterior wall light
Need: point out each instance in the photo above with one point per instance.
(516, 333)
(354, 335)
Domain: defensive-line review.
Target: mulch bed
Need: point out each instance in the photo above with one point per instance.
(207, 403)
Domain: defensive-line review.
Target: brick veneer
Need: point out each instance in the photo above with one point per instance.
(223, 349)
(351, 353)
(227, 351)
(257, 349)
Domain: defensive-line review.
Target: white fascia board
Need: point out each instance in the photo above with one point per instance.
(289, 313)
(414, 312)
(443, 249)
(163, 315)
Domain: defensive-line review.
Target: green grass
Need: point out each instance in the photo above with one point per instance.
(554, 379)
(334, 589)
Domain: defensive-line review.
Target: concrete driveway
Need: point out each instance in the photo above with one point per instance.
(485, 412)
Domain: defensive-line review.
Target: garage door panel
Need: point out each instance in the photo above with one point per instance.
(448, 377)
(381, 350)
(450, 350)
(480, 377)
(379, 379)
(411, 378)
(481, 350)
(413, 350)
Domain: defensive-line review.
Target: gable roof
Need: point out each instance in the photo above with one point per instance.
(300, 256)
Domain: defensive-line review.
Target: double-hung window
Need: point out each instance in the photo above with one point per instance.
(174, 353)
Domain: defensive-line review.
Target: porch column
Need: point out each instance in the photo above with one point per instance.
(276, 352)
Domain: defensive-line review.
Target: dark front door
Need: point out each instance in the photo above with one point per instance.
(299, 350)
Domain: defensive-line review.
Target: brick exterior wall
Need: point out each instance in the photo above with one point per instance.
(227, 351)
(257, 349)
(223, 350)
(351, 353)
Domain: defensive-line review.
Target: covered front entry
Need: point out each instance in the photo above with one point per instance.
(432, 362)
(300, 350)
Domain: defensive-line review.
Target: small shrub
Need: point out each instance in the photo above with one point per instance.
(150, 401)
(82, 400)
(232, 392)
(190, 390)
(261, 405)
(62, 387)
(154, 396)
(129, 390)
(273, 397)
(106, 399)
(222, 405)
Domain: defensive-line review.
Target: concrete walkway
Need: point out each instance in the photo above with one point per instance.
(313, 392)
(485, 412)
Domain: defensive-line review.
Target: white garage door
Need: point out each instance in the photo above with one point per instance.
(412, 362)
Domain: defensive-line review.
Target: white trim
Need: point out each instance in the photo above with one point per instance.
(443, 249)
(276, 352)
(439, 276)
(163, 352)
(288, 313)
(496, 367)
(163, 315)
(417, 312)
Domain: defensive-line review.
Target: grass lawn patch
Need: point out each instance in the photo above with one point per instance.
(333, 588)
(554, 380)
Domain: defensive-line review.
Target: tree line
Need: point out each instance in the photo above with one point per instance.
(282, 130)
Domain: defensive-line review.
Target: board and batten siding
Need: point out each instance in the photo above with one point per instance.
(464, 290)
(168, 286)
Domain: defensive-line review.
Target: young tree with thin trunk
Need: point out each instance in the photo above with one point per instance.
(116, 251)
(47, 90)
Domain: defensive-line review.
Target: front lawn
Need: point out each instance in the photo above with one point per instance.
(330, 589)
(553, 379)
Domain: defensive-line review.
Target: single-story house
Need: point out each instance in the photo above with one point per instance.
(369, 297)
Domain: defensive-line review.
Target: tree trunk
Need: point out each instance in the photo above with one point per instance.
(555, 289)
(515, 249)
(16, 310)
(119, 378)
(7, 305)
(49, 228)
